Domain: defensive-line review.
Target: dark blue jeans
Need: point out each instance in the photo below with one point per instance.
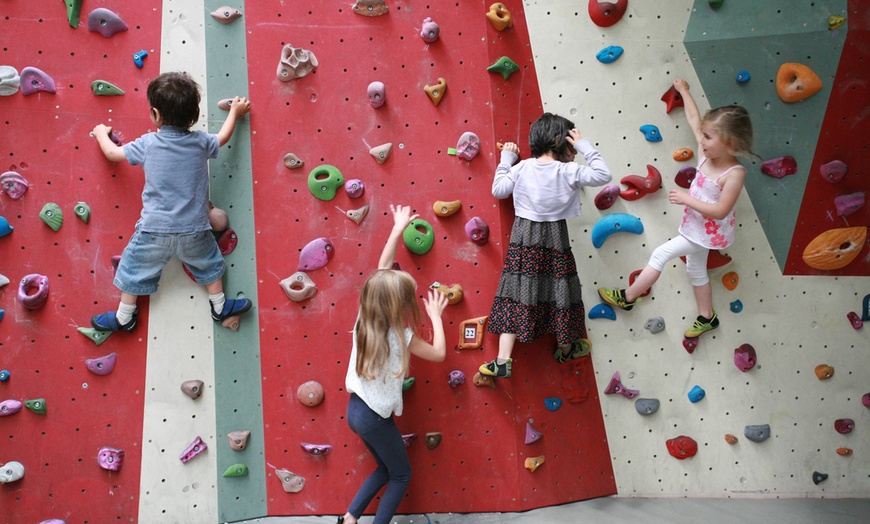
(385, 443)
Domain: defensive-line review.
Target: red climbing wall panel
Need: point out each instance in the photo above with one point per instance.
(843, 137)
(325, 118)
(45, 138)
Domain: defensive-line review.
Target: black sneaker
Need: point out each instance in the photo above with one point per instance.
(494, 369)
(109, 322)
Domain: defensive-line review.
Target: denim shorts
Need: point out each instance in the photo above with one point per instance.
(147, 253)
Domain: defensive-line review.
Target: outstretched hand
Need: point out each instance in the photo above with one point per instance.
(240, 106)
(101, 129)
(681, 85)
(436, 304)
(511, 147)
(402, 216)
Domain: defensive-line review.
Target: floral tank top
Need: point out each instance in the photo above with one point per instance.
(701, 229)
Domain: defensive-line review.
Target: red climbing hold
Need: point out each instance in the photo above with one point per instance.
(779, 167)
(607, 196)
(690, 344)
(715, 258)
(605, 14)
(672, 98)
(685, 176)
(639, 186)
(682, 447)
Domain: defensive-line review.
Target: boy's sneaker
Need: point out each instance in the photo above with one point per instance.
(109, 322)
(494, 369)
(616, 298)
(232, 307)
(702, 325)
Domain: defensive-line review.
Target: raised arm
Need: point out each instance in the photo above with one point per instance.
(239, 107)
(690, 107)
(110, 150)
(503, 183)
(437, 350)
(401, 218)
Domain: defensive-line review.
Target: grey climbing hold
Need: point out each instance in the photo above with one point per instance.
(757, 433)
(647, 406)
(10, 82)
(655, 325)
(819, 477)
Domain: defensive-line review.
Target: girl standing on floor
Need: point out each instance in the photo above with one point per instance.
(384, 338)
(708, 217)
(539, 290)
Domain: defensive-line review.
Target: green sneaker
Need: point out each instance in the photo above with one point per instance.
(494, 369)
(616, 298)
(702, 325)
(579, 348)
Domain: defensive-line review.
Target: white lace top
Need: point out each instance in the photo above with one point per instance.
(701, 229)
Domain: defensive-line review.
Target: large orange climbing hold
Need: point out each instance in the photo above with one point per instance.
(835, 248)
(499, 17)
(730, 280)
(796, 82)
(605, 14)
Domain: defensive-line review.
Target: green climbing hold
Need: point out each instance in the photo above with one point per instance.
(36, 405)
(83, 211)
(236, 470)
(73, 10)
(419, 236)
(52, 216)
(103, 88)
(716, 4)
(324, 181)
(407, 383)
(96, 336)
(505, 66)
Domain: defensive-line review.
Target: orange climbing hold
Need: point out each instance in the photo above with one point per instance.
(796, 82)
(835, 248)
(499, 17)
(471, 333)
(731, 439)
(683, 154)
(844, 452)
(824, 371)
(436, 92)
(730, 280)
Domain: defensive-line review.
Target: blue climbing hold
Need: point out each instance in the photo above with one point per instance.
(736, 306)
(609, 54)
(139, 58)
(865, 315)
(615, 223)
(602, 311)
(743, 77)
(5, 228)
(651, 133)
(4, 375)
(696, 394)
(553, 403)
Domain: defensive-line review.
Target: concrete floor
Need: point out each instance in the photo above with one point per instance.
(641, 511)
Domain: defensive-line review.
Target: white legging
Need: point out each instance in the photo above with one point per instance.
(696, 258)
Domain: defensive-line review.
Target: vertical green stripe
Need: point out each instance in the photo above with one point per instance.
(237, 354)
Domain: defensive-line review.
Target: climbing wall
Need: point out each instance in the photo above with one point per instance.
(794, 324)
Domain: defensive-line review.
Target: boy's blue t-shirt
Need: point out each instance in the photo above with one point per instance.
(175, 160)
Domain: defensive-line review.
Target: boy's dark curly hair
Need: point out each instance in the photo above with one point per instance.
(176, 97)
(549, 133)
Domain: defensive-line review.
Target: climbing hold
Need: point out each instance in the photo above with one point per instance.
(4, 375)
(13, 184)
(477, 231)
(370, 7)
(225, 103)
(9, 407)
(407, 383)
(102, 365)
(291, 161)
(468, 146)
(38, 285)
(844, 425)
(105, 22)
(834, 22)
(34, 80)
(633, 276)
(382, 152)
(865, 313)
(835, 248)
(552, 403)
(672, 98)
(848, 204)
(615, 223)
(324, 181)
(605, 14)
(433, 439)
(745, 357)
(647, 406)
(225, 15)
(103, 88)
(602, 311)
(757, 433)
(238, 439)
(354, 188)
(682, 447)
(419, 236)
(357, 215)
(731, 439)
(96, 336)
(227, 241)
(36, 405)
(685, 176)
(796, 82)
(824, 371)
(445, 209)
(844, 452)
(499, 17)
(408, 438)
(715, 4)
(819, 477)
(696, 394)
(651, 133)
(195, 448)
(192, 388)
(310, 393)
(316, 449)
(430, 30)
(834, 171)
(11, 471)
(290, 482)
(471, 333)
(295, 63)
(655, 325)
(683, 154)
(377, 94)
(436, 91)
(315, 254)
(855, 320)
(298, 286)
(607, 196)
(504, 66)
(10, 81)
(730, 280)
(865, 399)
(83, 211)
(453, 293)
(73, 10)
(615, 386)
(236, 470)
(779, 167)
(4, 280)
(609, 54)
(639, 186)
(742, 77)
(110, 458)
(139, 58)
(52, 216)
(483, 380)
(532, 434)
(715, 259)
(456, 378)
(690, 344)
(533, 463)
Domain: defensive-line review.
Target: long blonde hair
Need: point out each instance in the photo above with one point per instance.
(387, 303)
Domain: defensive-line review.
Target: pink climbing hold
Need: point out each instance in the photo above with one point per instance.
(10, 407)
(13, 184)
(607, 196)
(532, 434)
(195, 448)
(430, 30)
(468, 146)
(102, 365)
(832, 172)
(228, 241)
(672, 98)
(33, 291)
(34, 80)
(110, 458)
(779, 167)
(377, 94)
(844, 425)
(105, 22)
(682, 447)
(315, 254)
(316, 449)
(855, 320)
(866, 400)
(685, 176)
(477, 231)
(605, 14)
(848, 204)
(615, 386)
(745, 358)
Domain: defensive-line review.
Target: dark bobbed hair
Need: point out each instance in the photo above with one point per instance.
(176, 96)
(549, 133)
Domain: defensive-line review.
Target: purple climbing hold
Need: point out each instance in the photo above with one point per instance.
(33, 291)
(354, 188)
(105, 22)
(848, 204)
(615, 386)
(430, 30)
(832, 172)
(315, 254)
(102, 365)
(456, 378)
(477, 231)
(316, 449)
(110, 458)
(34, 80)
(195, 448)
(532, 434)
(13, 184)
(10, 407)
(745, 358)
